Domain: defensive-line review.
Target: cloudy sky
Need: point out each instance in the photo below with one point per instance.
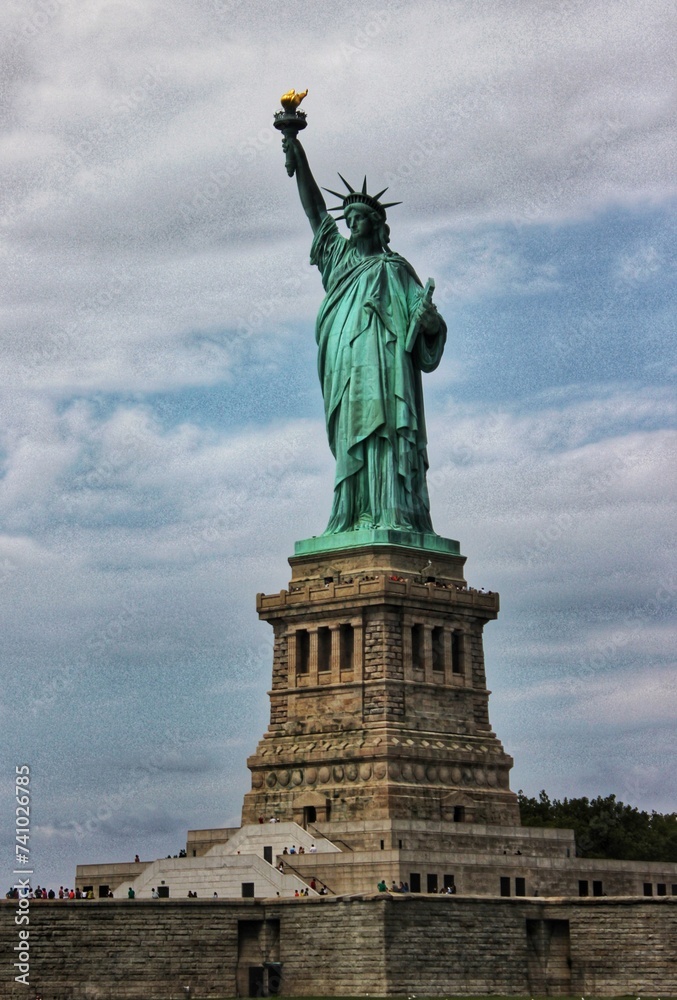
(161, 437)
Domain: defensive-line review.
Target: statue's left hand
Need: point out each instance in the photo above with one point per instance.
(428, 317)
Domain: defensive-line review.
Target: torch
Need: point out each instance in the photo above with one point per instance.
(290, 121)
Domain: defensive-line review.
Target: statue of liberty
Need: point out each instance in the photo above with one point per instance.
(377, 330)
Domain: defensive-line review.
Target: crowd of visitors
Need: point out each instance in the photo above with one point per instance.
(299, 850)
(382, 886)
(41, 893)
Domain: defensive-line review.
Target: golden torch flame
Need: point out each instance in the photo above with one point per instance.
(291, 100)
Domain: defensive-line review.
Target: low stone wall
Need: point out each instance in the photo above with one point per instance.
(475, 946)
(379, 945)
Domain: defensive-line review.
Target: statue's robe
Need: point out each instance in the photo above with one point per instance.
(372, 349)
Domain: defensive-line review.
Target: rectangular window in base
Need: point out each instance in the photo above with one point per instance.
(417, 647)
(323, 649)
(456, 653)
(347, 647)
(302, 651)
(438, 648)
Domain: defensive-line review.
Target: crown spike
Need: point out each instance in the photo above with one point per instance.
(359, 197)
(350, 189)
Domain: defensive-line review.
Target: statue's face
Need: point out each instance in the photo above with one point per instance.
(359, 221)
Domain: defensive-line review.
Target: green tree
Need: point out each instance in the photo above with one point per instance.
(604, 827)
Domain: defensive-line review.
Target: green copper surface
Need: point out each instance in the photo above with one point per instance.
(425, 541)
(377, 330)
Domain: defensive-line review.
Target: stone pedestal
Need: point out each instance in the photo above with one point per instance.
(379, 704)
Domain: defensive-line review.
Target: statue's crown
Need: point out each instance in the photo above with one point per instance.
(360, 198)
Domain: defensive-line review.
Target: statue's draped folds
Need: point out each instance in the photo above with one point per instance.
(372, 347)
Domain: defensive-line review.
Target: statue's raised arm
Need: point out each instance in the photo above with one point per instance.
(377, 331)
(311, 197)
(290, 121)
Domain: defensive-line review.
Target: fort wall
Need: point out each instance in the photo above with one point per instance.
(374, 944)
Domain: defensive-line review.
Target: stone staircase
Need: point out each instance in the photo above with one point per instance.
(226, 868)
